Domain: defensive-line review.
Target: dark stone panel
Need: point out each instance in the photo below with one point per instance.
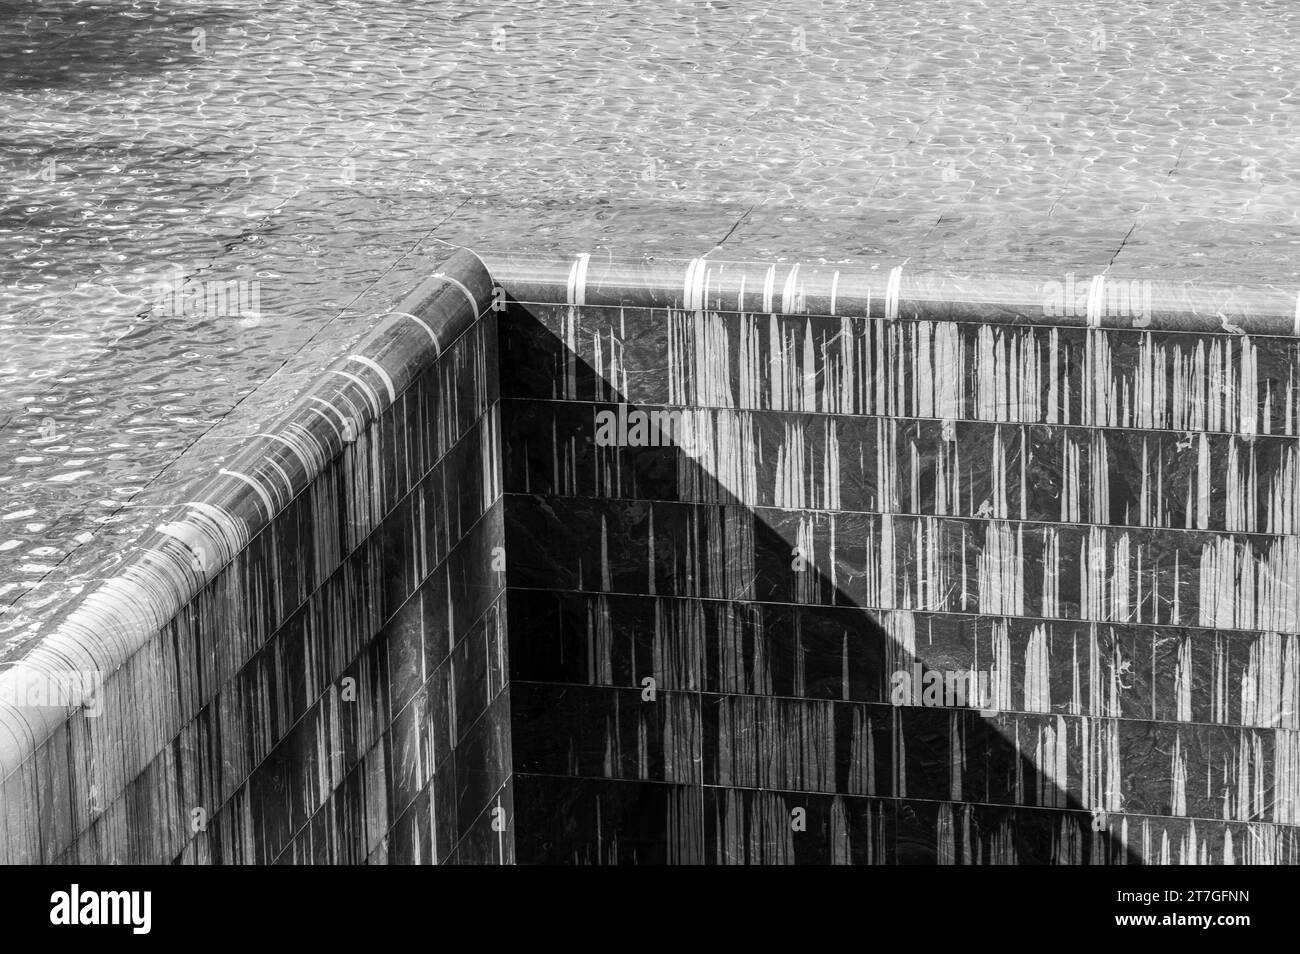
(1028, 836)
(438, 735)
(614, 640)
(490, 839)
(296, 544)
(758, 827)
(295, 687)
(588, 821)
(533, 360)
(550, 448)
(442, 808)
(396, 552)
(411, 841)
(403, 635)
(463, 489)
(471, 585)
(435, 616)
(748, 827)
(385, 431)
(603, 732)
(483, 759)
(471, 668)
(410, 772)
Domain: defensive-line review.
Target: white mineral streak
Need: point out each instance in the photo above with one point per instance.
(267, 504)
(384, 376)
(423, 324)
(892, 292)
(373, 404)
(793, 299)
(693, 286)
(473, 302)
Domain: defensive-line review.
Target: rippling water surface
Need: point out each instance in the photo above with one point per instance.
(294, 154)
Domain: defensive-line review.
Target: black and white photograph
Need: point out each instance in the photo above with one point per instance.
(695, 433)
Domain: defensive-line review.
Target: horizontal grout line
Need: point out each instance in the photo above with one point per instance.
(722, 693)
(518, 774)
(893, 609)
(737, 409)
(1029, 523)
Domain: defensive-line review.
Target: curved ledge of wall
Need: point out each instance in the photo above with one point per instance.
(286, 523)
(803, 288)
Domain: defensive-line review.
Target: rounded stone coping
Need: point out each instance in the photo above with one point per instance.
(897, 292)
(172, 564)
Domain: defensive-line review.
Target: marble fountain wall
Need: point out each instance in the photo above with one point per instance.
(474, 601)
(1082, 490)
(308, 663)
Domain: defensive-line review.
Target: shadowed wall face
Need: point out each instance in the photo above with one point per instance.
(1097, 522)
(334, 689)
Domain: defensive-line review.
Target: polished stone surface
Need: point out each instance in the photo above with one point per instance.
(307, 661)
(1102, 517)
(579, 639)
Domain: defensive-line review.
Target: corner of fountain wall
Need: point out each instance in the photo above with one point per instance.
(62, 767)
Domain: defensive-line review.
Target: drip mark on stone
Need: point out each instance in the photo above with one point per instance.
(283, 475)
(473, 302)
(383, 375)
(261, 491)
(768, 282)
(310, 462)
(370, 393)
(330, 420)
(788, 293)
(577, 290)
(835, 287)
(693, 291)
(437, 348)
(1096, 290)
(891, 292)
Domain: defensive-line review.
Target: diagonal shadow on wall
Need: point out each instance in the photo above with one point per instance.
(772, 683)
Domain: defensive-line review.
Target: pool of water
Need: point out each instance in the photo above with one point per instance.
(303, 152)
